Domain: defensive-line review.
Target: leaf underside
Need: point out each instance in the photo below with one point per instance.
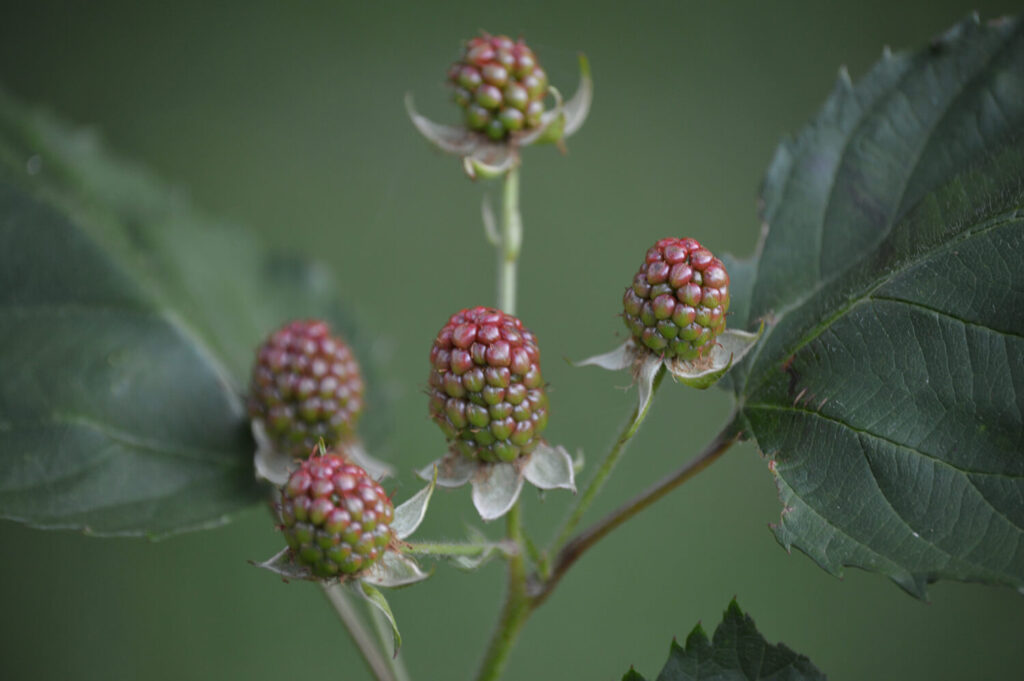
(133, 320)
(736, 652)
(888, 391)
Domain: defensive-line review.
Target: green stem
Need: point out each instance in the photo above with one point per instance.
(375, 660)
(511, 241)
(448, 549)
(517, 606)
(572, 551)
(587, 498)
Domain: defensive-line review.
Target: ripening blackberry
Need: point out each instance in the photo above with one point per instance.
(486, 391)
(500, 85)
(306, 385)
(335, 518)
(677, 304)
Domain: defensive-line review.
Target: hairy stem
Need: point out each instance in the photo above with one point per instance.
(587, 498)
(451, 548)
(572, 551)
(511, 240)
(517, 606)
(375, 660)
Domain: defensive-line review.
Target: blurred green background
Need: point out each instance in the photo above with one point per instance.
(288, 117)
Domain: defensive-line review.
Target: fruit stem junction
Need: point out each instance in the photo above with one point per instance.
(572, 551)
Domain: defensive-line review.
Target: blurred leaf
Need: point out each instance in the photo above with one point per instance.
(888, 391)
(737, 652)
(134, 320)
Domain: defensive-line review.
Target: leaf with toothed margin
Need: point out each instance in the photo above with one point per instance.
(496, 488)
(730, 347)
(736, 652)
(410, 514)
(450, 471)
(377, 600)
(550, 468)
(393, 570)
(888, 391)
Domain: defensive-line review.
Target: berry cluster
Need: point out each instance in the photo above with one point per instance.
(486, 391)
(500, 85)
(678, 300)
(335, 518)
(306, 385)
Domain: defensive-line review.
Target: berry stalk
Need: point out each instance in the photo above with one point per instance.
(588, 496)
(572, 551)
(449, 549)
(372, 655)
(517, 606)
(511, 241)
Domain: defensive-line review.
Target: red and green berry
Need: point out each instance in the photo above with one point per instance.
(335, 518)
(677, 304)
(500, 86)
(306, 386)
(486, 390)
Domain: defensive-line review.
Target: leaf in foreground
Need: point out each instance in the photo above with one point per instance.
(737, 652)
(888, 391)
(133, 321)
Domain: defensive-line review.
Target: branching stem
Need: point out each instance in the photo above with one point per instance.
(605, 470)
(572, 551)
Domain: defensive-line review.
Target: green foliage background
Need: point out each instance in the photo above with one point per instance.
(289, 119)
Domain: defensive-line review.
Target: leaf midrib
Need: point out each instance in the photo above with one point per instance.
(765, 376)
(893, 219)
(878, 487)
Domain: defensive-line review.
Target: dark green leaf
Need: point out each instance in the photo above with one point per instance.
(888, 392)
(737, 652)
(129, 322)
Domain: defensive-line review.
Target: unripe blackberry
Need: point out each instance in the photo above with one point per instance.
(306, 385)
(486, 391)
(677, 303)
(500, 85)
(335, 518)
